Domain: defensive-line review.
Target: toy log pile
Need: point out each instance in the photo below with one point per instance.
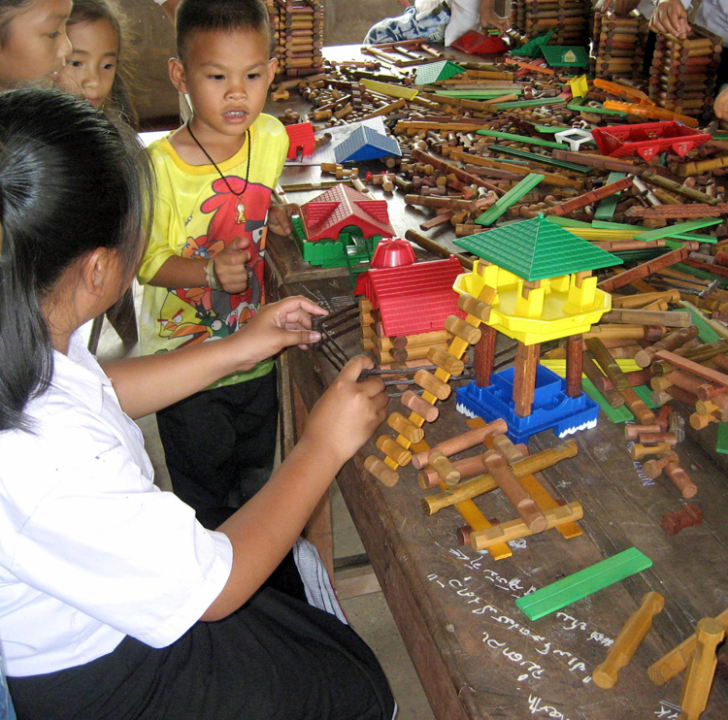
(569, 20)
(618, 49)
(297, 27)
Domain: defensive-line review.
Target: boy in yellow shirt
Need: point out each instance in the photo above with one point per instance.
(203, 267)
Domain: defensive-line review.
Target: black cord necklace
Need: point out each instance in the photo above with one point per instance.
(240, 207)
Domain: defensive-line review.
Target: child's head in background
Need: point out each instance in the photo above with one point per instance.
(224, 63)
(33, 42)
(97, 68)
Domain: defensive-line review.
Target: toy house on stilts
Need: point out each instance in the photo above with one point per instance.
(537, 280)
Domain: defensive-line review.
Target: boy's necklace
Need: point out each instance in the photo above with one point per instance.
(240, 207)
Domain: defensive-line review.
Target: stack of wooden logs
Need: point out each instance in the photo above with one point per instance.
(297, 27)
(569, 19)
(618, 46)
(684, 72)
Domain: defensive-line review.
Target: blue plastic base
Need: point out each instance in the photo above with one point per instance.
(552, 407)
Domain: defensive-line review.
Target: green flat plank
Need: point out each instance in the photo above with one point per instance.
(609, 225)
(644, 393)
(523, 139)
(545, 159)
(721, 444)
(671, 230)
(706, 334)
(583, 583)
(510, 198)
(615, 415)
(696, 237)
(607, 207)
(581, 107)
(567, 222)
(474, 94)
(515, 104)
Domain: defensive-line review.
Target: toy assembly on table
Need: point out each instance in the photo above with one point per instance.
(576, 203)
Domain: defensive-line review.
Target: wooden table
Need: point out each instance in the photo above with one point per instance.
(476, 654)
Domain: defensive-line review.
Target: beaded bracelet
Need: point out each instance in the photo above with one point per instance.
(212, 280)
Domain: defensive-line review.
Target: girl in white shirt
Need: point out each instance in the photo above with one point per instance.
(114, 601)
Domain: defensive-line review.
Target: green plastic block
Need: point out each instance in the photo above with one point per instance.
(523, 139)
(672, 230)
(545, 159)
(721, 444)
(644, 393)
(583, 583)
(510, 198)
(615, 415)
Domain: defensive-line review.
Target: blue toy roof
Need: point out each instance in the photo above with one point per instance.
(366, 143)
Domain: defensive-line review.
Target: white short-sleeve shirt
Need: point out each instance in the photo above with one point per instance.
(90, 549)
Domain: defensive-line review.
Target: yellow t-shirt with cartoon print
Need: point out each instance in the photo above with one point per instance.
(196, 216)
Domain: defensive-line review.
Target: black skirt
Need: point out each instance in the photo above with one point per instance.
(275, 658)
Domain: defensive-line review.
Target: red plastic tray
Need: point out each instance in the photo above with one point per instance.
(648, 139)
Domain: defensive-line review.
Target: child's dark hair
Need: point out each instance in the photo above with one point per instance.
(224, 15)
(70, 182)
(122, 90)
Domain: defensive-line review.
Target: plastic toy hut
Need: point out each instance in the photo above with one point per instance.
(341, 227)
(537, 280)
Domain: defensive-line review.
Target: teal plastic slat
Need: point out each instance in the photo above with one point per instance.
(672, 230)
(510, 198)
(545, 159)
(583, 583)
(606, 208)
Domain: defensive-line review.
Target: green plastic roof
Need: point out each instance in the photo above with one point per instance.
(565, 55)
(537, 249)
(440, 70)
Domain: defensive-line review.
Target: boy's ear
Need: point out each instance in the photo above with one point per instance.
(272, 67)
(177, 75)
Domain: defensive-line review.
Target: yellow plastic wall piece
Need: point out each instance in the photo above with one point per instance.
(558, 366)
(397, 91)
(557, 309)
(579, 86)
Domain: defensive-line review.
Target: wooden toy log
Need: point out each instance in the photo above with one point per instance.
(645, 269)
(484, 356)
(524, 377)
(681, 480)
(648, 317)
(671, 341)
(436, 249)
(515, 529)
(649, 333)
(508, 449)
(427, 381)
(632, 432)
(639, 451)
(485, 483)
(574, 365)
(517, 495)
(399, 423)
(652, 438)
(475, 307)
(394, 450)
(639, 409)
(642, 299)
(451, 365)
(414, 402)
(457, 444)
(629, 639)
(675, 661)
(636, 378)
(607, 363)
(700, 672)
(448, 169)
(444, 468)
(690, 516)
(465, 331)
(595, 375)
(382, 472)
(694, 368)
(468, 467)
(653, 468)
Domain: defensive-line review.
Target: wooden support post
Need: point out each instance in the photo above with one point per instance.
(629, 639)
(574, 365)
(524, 379)
(700, 673)
(484, 356)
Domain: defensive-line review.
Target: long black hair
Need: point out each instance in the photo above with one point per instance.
(70, 182)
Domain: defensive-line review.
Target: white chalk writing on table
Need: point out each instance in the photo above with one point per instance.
(525, 666)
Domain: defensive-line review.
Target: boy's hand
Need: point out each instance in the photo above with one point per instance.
(670, 16)
(275, 327)
(279, 218)
(489, 17)
(347, 414)
(231, 266)
(720, 106)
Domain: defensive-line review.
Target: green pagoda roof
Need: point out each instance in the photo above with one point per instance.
(537, 249)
